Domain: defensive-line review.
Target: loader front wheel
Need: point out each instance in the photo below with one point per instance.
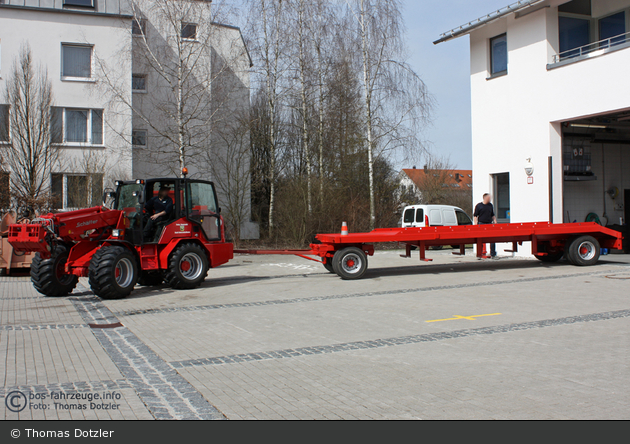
(113, 272)
(187, 267)
(48, 275)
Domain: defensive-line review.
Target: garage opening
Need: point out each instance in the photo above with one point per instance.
(596, 161)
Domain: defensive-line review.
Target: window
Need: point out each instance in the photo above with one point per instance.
(501, 184)
(462, 218)
(408, 216)
(139, 82)
(202, 208)
(4, 123)
(613, 27)
(498, 55)
(138, 27)
(420, 215)
(76, 190)
(189, 31)
(574, 33)
(80, 3)
(77, 61)
(139, 138)
(77, 126)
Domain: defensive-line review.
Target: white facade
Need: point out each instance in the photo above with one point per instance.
(46, 27)
(543, 102)
(139, 130)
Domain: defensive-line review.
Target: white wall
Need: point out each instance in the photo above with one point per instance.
(517, 116)
(44, 32)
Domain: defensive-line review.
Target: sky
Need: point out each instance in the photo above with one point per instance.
(445, 68)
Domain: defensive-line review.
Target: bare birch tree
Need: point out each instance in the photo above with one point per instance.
(174, 46)
(30, 154)
(269, 28)
(396, 102)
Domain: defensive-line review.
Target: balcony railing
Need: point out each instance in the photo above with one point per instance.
(594, 49)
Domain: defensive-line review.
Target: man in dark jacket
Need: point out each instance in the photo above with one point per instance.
(161, 206)
(484, 215)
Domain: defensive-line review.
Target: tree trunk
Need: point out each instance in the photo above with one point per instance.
(305, 133)
(367, 80)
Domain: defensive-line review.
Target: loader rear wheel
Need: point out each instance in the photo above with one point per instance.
(113, 272)
(187, 267)
(48, 275)
(350, 263)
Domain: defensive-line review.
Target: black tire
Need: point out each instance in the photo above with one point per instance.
(437, 247)
(113, 272)
(46, 276)
(567, 250)
(328, 265)
(151, 278)
(553, 254)
(350, 263)
(182, 276)
(584, 251)
(551, 257)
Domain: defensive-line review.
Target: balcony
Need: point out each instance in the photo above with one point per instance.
(591, 50)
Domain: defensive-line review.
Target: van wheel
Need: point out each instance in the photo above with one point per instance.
(350, 263)
(584, 251)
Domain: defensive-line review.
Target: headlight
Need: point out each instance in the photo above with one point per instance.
(116, 233)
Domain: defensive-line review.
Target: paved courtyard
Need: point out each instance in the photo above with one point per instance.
(280, 338)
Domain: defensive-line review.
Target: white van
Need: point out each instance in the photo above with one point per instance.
(417, 216)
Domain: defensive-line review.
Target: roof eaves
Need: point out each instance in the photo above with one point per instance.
(482, 21)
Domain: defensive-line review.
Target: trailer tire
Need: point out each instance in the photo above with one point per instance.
(187, 267)
(584, 251)
(551, 257)
(151, 278)
(113, 272)
(328, 264)
(350, 263)
(46, 276)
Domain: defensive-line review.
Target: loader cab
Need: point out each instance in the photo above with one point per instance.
(194, 201)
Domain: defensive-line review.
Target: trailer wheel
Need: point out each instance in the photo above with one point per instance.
(584, 251)
(328, 264)
(551, 257)
(48, 275)
(150, 278)
(187, 267)
(113, 272)
(350, 263)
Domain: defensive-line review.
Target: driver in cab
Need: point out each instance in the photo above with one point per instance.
(160, 208)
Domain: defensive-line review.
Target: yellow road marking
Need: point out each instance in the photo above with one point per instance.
(470, 318)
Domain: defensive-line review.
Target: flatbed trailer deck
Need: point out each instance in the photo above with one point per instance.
(346, 254)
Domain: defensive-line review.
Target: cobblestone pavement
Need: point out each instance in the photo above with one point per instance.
(280, 338)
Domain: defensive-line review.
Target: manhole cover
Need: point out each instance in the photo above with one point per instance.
(116, 325)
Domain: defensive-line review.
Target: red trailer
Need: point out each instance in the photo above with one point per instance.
(346, 254)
